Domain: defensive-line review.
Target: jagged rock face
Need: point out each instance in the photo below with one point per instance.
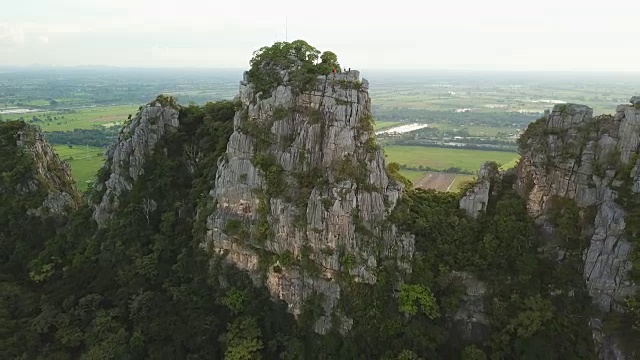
(477, 198)
(335, 194)
(49, 172)
(577, 156)
(126, 158)
(471, 320)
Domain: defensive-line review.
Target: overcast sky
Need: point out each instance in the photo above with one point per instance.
(439, 34)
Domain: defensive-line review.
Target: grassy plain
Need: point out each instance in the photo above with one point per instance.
(84, 160)
(460, 181)
(382, 125)
(413, 175)
(444, 158)
(82, 118)
(510, 164)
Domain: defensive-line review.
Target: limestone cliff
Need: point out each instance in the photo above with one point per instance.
(303, 175)
(47, 175)
(476, 199)
(126, 157)
(593, 160)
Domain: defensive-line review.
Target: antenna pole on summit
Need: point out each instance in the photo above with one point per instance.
(286, 29)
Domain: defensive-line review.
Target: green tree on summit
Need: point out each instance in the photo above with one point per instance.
(298, 58)
(328, 62)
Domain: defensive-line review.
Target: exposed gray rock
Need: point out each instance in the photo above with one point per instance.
(477, 198)
(471, 320)
(49, 172)
(324, 132)
(607, 346)
(635, 100)
(580, 157)
(126, 158)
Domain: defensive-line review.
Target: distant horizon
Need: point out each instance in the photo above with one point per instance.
(361, 69)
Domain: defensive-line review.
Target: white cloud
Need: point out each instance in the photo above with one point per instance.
(11, 35)
(547, 34)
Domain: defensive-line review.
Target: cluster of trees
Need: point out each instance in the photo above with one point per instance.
(451, 170)
(301, 61)
(100, 137)
(430, 143)
(537, 308)
(142, 287)
(493, 119)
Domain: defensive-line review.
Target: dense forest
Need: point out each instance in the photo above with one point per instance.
(143, 287)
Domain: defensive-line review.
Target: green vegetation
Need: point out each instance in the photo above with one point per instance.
(627, 325)
(298, 58)
(511, 164)
(85, 118)
(143, 287)
(441, 159)
(383, 125)
(461, 181)
(412, 175)
(84, 161)
(414, 297)
(526, 319)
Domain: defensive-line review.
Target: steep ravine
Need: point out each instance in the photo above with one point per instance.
(303, 174)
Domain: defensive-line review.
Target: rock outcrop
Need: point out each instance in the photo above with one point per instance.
(50, 174)
(126, 157)
(471, 319)
(302, 172)
(571, 154)
(476, 199)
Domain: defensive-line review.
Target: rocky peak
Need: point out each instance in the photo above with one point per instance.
(46, 174)
(126, 157)
(302, 196)
(569, 153)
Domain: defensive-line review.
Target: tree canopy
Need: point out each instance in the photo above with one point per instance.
(302, 62)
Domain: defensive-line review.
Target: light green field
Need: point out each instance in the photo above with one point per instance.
(86, 118)
(412, 175)
(444, 158)
(510, 164)
(381, 125)
(85, 163)
(460, 181)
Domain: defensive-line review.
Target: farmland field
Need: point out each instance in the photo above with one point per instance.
(444, 158)
(413, 175)
(510, 164)
(436, 180)
(84, 160)
(382, 125)
(460, 181)
(83, 118)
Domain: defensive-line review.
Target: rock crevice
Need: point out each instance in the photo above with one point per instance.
(572, 154)
(126, 157)
(304, 173)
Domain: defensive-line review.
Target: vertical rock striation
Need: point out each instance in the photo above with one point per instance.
(476, 199)
(126, 157)
(303, 175)
(50, 174)
(592, 160)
